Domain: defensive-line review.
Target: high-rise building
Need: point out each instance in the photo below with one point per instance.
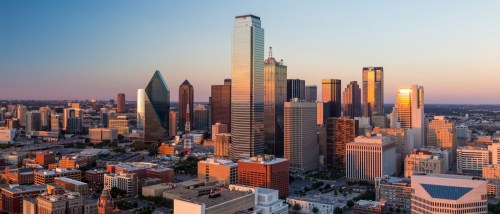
(311, 93)
(200, 119)
(218, 128)
(45, 117)
(222, 145)
(409, 113)
(370, 157)
(33, 121)
(55, 126)
(73, 120)
(221, 104)
(127, 182)
(105, 204)
(120, 103)
(442, 133)
(301, 147)
(247, 89)
(172, 118)
(380, 120)
(373, 91)
(275, 92)
(463, 131)
(186, 98)
(221, 170)
(21, 114)
(352, 100)
(295, 88)
(470, 160)
(265, 171)
(395, 191)
(346, 130)
(156, 108)
(494, 150)
(444, 193)
(331, 94)
(141, 113)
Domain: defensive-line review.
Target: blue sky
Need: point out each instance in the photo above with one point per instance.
(95, 49)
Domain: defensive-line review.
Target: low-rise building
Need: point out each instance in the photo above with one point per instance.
(157, 189)
(101, 134)
(19, 176)
(13, 195)
(213, 169)
(127, 182)
(219, 202)
(73, 185)
(95, 177)
(471, 160)
(395, 191)
(56, 200)
(48, 176)
(369, 207)
(424, 162)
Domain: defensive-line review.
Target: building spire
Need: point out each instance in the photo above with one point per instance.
(270, 52)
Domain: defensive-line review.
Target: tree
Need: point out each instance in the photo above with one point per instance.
(337, 211)
(296, 207)
(315, 210)
(350, 203)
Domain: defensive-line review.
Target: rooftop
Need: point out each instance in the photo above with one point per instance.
(15, 188)
(68, 180)
(218, 198)
(219, 161)
(266, 159)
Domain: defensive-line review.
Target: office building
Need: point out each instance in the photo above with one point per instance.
(352, 100)
(47, 176)
(72, 185)
(370, 207)
(127, 182)
(491, 172)
(222, 145)
(494, 150)
(370, 157)
(470, 160)
(56, 200)
(19, 176)
(442, 133)
(33, 121)
(102, 134)
(373, 91)
(424, 162)
(120, 103)
(156, 108)
(141, 108)
(21, 114)
(72, 120)
(275, 94)
(186, 98)
(13, 195)
(173, 123)
(311, 93)
(105, 204)
(266, 200)
(221, 104)
(55, 125)
(295, 88)
(331, 91)
(266, 172)
(218, 128)
(346, 130)
(121, 124)
(443, 193)
(223, 171)
(201, 116)
(247, 89)
(463, 132)
(409, 113)
(301, 147)
(215, 203)
(95, 177)
(45, 158)
(380, 120)
(395, 191)
(166, 149)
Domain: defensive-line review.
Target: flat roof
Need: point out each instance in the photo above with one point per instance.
(69, 180)
(223, 198)
(247, 15)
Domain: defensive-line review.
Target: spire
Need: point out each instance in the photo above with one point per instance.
(270, 52)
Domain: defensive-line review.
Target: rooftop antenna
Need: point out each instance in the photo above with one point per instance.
(270, 52)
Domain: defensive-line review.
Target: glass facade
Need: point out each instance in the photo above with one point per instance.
(373, 91)
(157, 107)
(186, 97)
(295, 88)
(247, 89)
(275, 88)
(141, 94)
(352, 100)
(331, 95)
(221, 104)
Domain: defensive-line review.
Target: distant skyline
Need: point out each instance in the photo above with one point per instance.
(55, 50)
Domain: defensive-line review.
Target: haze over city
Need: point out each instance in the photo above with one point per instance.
(93, 49)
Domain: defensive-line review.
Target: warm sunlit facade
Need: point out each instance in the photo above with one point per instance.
(331, 91)
(352, 100)
(186, 100)
(441, 133)
(373, 91)
(275, 92)
(247, 89)
(409, 113)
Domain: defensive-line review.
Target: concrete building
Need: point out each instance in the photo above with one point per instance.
(346, 130)
(352, 100)
(494, 150)
(424, 162)
(301, 147)
(408, 113)
(470, 160)
(266, 200)
(331, 90)
(45, 158)
(101, 134)
(13, 195)
(173, 120)
(370, 207)
(121, 124)
(442, 133)
(370, 157)
(222, 145)
(380, 121)
(95, 177)
(218, 128)
(166, 149)
(224, 171)
(19, 176)
(128, 182)
(221, 104)
(72, 185)
(442, 193)
(56, 200)
(266, 172)
(48, 176)
(491, 172)
(7, 135)
(215, 203)
(311, 93)
(395, 191)
(325, 205)
(120, 103)
(200, 118)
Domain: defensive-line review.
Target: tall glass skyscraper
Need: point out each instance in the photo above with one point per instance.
(275, 92)
(186, 97)
(409, 112)
(247, 89)
(140, 108)
(331, 95)
(373, 91)
(156, 108)
(352, 100)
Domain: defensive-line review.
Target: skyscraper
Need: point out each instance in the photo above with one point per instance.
(221, 104)
(33, 121)
(352, 100)
(295, 88)
(21, 114)
(186, 97)
(247, 92)
(156, 108)
(373, 91)
(141, 98)
(200, 118)
(311, 93)
(120, 103)
(274, 97)
(409, 113)
(442, 134)
(331, 95)
(346, 130)
(301, 145)
(173, 123)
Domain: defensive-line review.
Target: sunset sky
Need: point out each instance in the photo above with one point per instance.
(94, 49)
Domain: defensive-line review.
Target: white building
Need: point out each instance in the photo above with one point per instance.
(370, 157)
(325, 205)
(266, 200)
(463, 132)
(470, 160)
(100, 134)
(7, 135)
(443, 193)
(125, 181)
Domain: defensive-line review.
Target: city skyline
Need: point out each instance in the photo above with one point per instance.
(81, 48)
